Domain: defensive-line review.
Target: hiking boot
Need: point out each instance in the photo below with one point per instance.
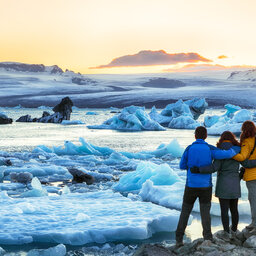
(236, 234)
(252, 231)
(224, 235)
(179, 244)
(250, 226)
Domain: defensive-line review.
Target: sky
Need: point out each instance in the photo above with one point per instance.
(128, 36)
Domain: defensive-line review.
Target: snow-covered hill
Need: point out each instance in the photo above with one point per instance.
(248, 75)
(33, 85)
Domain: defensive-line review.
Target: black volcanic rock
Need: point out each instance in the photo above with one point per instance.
(4, 119)
(80, 176)
(26, 118)
(62, 112)
(64, 108)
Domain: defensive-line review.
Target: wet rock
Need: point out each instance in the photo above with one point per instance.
(26, 118)
(62, 112)
(64, 108)
(80, 176)
(153, 250)
(250, 242)
(216, 247)
(4, 119)
(23, 177)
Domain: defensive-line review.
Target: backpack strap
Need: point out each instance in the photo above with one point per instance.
(253, 147)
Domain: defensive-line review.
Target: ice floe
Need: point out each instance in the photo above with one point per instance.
(78, 219)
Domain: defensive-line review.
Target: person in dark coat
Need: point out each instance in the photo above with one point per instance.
(228, 188)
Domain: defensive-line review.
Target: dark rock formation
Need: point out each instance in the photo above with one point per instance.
(242, 243)
(23, 177)
(4, 119)
(26, 118)
(62, 112)
(64, 108)
(80, 176)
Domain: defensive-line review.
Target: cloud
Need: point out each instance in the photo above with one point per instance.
(150, 58)
(206, 67)
(222, 57)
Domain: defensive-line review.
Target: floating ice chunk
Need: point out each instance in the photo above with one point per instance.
(59, 250)
(37, 189)
(71, 122)
(241, 116)
(183, 122)
(176, 109)
(82, 217)
(197, 106)
(91, 113)
(116, 158)
(211, 120)
(111, 217)
(65, 190)
(158, 174)
(131, 118)
(172, 148)
(154, 115)
(231, 109)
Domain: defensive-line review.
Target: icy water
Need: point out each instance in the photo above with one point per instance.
(20, 137)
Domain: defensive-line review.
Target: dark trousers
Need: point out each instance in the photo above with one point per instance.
(189, 198)
(225, 205)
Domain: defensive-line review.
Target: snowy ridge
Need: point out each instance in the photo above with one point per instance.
(248, 75)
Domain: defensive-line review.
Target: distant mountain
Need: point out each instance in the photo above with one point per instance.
(248, 75)
(37, 69)
(23, 67)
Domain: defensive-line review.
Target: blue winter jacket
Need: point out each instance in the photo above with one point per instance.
(200, 153)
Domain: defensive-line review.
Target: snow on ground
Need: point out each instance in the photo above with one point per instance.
(78, 219)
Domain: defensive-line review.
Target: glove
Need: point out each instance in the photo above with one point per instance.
(194, 169)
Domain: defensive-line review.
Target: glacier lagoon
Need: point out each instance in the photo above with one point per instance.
(18, 138)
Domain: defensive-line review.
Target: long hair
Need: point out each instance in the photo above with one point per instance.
(227, 135)
(248, 130)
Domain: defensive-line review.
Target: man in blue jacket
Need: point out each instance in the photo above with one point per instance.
(199, 153)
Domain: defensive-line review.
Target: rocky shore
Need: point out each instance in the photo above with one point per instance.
(241, 244)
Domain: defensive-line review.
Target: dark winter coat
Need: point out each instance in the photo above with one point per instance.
(228, 181)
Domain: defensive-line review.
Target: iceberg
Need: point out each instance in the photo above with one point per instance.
(131, 118)
(158, 174)
(59, 250)
(180, 115)
(78, 219)
(37, 189)
(232, 120)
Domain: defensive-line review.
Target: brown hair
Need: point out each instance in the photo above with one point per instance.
(201, 133)
(248, 130)
(227, 135)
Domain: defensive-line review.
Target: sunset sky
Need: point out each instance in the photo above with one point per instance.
(87, 35)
